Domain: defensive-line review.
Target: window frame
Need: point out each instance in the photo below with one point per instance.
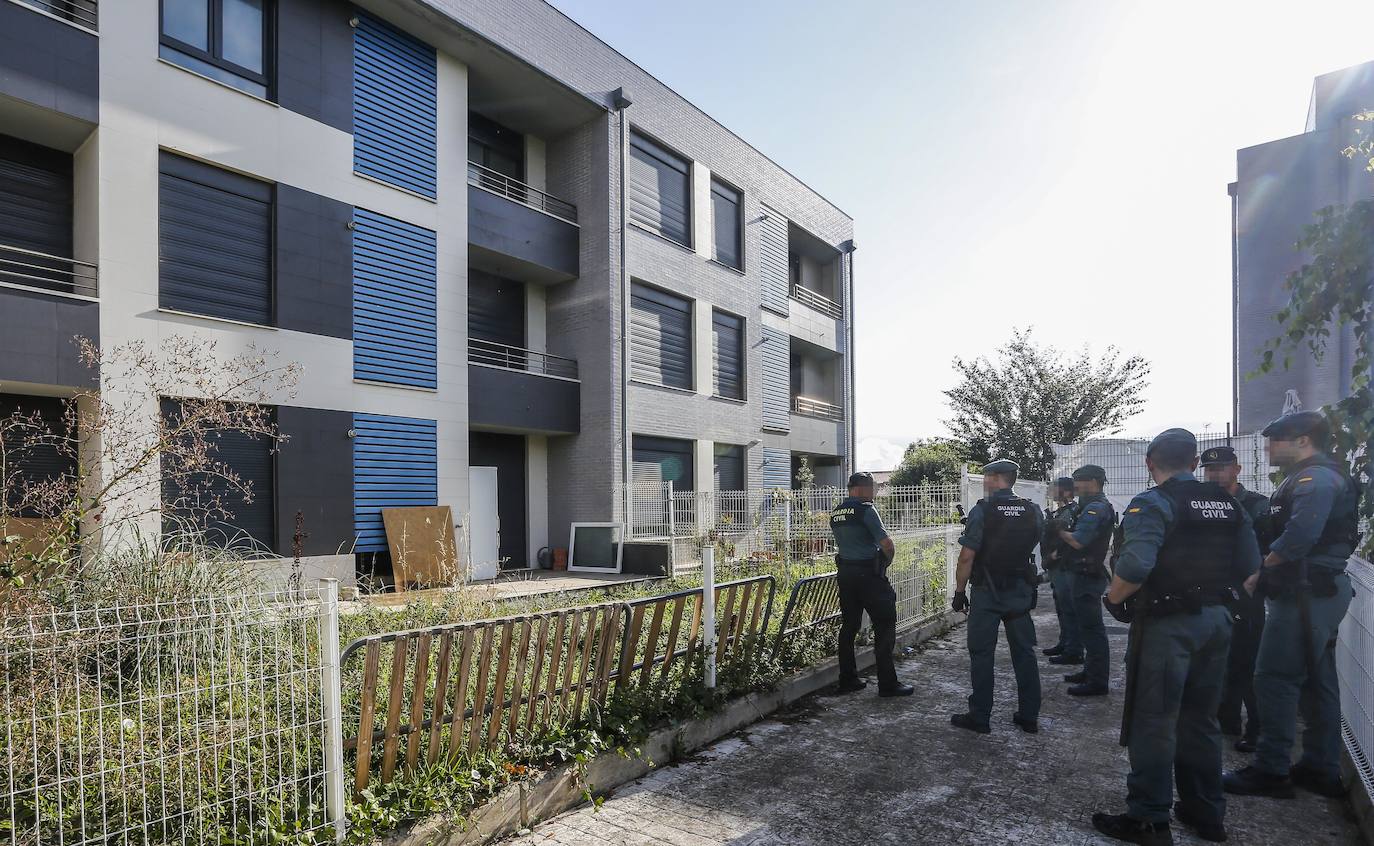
(658, 150)
(722, 188)
(215, 16)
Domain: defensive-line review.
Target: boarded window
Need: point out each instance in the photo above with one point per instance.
(660, 337)
(727, 225)
(660, 190)
(727, 339)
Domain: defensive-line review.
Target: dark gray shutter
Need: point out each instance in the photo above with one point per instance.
(660, 337)
(727, 339)
(35, 198)
(250, 456)
(35, 460)
(729, 467)
(496, 309)
(214, 242)
(660, 190)
(727, 225)
(773, 272)
(777, 468)
(776, 381)
(663, 460)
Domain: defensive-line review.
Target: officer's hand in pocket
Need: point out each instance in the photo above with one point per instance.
(1117, 609)
(960, 602)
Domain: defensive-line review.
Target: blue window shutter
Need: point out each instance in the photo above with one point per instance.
(395, 465)
(394, 309)
(777, 379)
(395, 98)
(773, 268)
(777, 468)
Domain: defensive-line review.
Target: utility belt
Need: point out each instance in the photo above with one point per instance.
(1003, 581)
(872, 565)
(1086, 567)
(1284, 582)
(1190, 601)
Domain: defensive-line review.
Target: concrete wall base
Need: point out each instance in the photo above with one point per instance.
(1358, 797)
(521, 806)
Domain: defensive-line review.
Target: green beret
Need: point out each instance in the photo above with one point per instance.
(1174, 438)
(1002, 467)
(1219, 456)
(1090, 472)
(1292, 426)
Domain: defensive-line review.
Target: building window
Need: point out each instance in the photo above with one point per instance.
(214, 242)
(227, 40)
(660, 190)
(662, 460)
(495, 147)
(727, 225)
(727, 355)
(729, 467)
(660, 337)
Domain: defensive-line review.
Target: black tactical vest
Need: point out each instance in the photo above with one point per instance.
(1199, 550)
(1341, 534)
(1009, 537)
(1095, 553)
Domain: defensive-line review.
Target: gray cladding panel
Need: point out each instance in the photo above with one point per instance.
(315, 60)
(525, 402)
(775, 355)
(37, 338)
(773, 267)
(315, 477)
(48, 63)
(314, 263)
(530, 237)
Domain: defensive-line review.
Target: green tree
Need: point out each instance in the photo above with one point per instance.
(1333, 291)
(1034, 396)
(930, 461)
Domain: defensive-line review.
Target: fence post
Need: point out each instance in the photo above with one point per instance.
(332, 693)
(951, 558)
(672, 516)
(708, 612)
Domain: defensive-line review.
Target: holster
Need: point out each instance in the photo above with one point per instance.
(1285, 582)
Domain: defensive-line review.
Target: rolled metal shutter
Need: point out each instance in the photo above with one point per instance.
(777, 468)
(729, 468)
(726, 225)
(773, 272)
(660, 337)
(35, 461)
(395, 465)
(395, 285)
(659, 190)
(663, 460)
(727, 360)
(776, 379)
(35, 198)
(395, 96)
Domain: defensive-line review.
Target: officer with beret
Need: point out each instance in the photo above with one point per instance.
(1314, 523)
(1054, 555)
(1220, 465)
(999, 538)
(1086, 559)
(1186, 544)
(863, 552)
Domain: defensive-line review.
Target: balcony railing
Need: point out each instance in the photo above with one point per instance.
(507, 357)
(80, 12)
(43, 272)
(514, 189)
(819, 302)
(817, 408)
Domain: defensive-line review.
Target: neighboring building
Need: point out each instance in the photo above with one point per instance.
(1279, 186)
(420, 202)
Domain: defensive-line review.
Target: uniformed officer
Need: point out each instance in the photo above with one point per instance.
(1186, 544)
(1314, 522)
(1052, 555)
(1219, 465)
(1001, 534)
(863, 551)
(1086, 559)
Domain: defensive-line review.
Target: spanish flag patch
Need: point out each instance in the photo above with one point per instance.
(1305, 479)
(1132, 510)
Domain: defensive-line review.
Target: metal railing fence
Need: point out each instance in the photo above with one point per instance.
(507, 357)
(43, 272)
(206, 720)
(514, 189)
(817, 408)
(83, 13)
(1355, 669)
(818, 301)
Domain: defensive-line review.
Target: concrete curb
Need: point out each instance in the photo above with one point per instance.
(1357, 796)
(521, 806)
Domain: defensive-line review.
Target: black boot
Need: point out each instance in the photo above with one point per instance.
(1128, 828)
(1030, 725)
(1057, 649)
(1087, 688)
(1061, 658)
(1251, 781)
(1077, 678)
(1215, 832)
(898, 690)
(1246, 745)
(852, 685)
(966, 721)
(1316, 782)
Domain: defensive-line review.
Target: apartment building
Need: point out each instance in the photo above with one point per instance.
(519, 273)
(1279, 187)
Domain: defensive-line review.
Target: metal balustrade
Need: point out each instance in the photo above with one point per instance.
(819, 302)
(507, 357)
(43, 272)
(517, 191)
(817, 408)
(83, 13)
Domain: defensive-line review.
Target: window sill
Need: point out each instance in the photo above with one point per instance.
(730, 267)
(419, 388)
(672, 388)
(731, 400)
(229, 320)
(221, 83)
(661, 237)
(427, 199)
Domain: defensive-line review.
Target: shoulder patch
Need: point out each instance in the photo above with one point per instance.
(1305, 479)
(1090, 511)
(1133, 510)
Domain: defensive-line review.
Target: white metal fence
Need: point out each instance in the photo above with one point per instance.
(189, 722)
(1355, 666)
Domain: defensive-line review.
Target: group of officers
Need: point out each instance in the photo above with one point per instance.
(1233, 600)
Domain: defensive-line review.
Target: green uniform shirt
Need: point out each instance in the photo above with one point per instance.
(857, 528)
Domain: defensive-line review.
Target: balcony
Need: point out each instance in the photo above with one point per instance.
(513, 189)
(20, 268)
(83, 13)
(519, 232)
(46, 302)
(812, 407)
(50, 61)
(511, 389)
(819, 302)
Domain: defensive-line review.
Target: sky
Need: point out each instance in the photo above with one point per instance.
(1059, 165)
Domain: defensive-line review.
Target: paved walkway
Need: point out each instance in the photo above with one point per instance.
(860, 770)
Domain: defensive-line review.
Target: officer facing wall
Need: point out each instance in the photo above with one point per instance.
(1054, 555)
(1001, 534)
(863, 553)
(1086, 560)
(1314, 522)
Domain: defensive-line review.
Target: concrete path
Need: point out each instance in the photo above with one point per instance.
(859, 770)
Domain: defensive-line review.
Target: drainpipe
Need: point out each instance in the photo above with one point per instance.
(621, 102)
(851, 427)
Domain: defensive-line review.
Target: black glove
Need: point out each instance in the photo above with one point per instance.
(1118, 610)
(960, 602)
